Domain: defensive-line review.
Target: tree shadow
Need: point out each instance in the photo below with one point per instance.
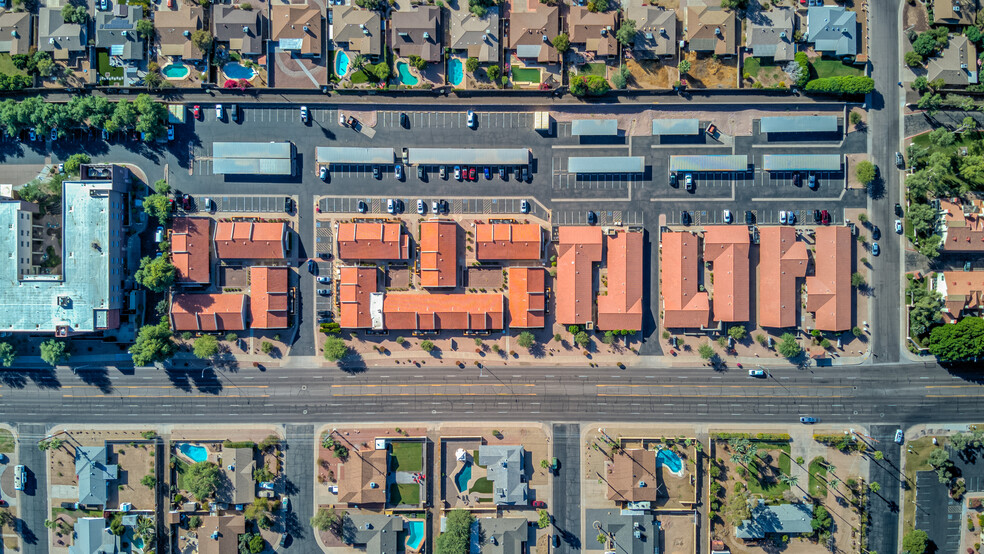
(538, 350)
(353, 363)
(96, 377)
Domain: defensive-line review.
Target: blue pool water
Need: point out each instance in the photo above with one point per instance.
(176, 70)
(462, 478)
(415, 535)
(236, 70)
(341, 63)
(406, 78)
(196, 453)
(137, 542)
(669, 459)
(456, 72)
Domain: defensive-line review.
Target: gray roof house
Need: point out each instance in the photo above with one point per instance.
(479, 36)
(92, 536)
(784, 519)
(507, 535)
(60, 39)
(242, 29)
(116, 31)
(631, 531)
(833, 30)
(238, 465)
(656, 31)
(418, 32)
(359, 30)
(957, 65)
(955, 12)
(378, 534)
(94, 474)
(15, 32)
(505, 469)
(770, 34)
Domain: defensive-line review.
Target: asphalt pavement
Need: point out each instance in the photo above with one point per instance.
(34, 499)
(566, 507)
(299, 486)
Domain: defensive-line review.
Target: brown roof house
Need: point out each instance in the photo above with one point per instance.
(957, 65)
(174, 30)
(358, 31)
(955, 12)
(656, 31)
(963, 226)
(60, 39)
(242, 30)
(962, 291)
(782, 260)
(633, 477)
(296, 28)
(362, 479)
(477, 36)
(15, 32)
(594, 31)
(712, 30)
(770, 34)
(684, 305)
(531, 34)
(418, 33)
(829, 290)
(220, 534)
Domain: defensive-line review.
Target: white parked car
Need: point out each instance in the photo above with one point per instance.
(727, 216)
(304, 114)
(218, 111)
(782, 217)
(898, 226)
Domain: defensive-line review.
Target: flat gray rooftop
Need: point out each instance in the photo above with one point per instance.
(799, 124)
(676, 127)
(607, 164)
(252, 158)
(594, 127)
(791, 162)
(354, 155)
(709, 163)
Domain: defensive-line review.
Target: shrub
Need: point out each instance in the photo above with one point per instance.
(427, 346)
(844, 84)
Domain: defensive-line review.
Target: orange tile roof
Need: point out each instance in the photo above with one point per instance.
(268, 297)
(782, 259)
(208, 312)
(578, 248)
(508, 241)
(426, 312)
(964, 233)
(683, 305)
(362, 478)
(372, 241)
(628, 471)
(355, 284)
(622, 307)
(244, 240)
(829, 290)
(727, 247)
(527, 296)
(964, 290)
(190, 248)
(439, 253)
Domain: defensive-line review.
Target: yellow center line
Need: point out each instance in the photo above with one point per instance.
(955, 395)
(683, 385)
(157, 386)
(166, 396)
(954, 387)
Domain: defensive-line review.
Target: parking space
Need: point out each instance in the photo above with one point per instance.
(249, 204)
(834, 179)
(715, 179)
(766, 216)
(605, 217)
(456, 205)
(458, 120)
(563, 180)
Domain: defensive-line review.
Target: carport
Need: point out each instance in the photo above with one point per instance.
(353, 155)
(253, 158)
(799, 124)
(676, 127)
(594, 127)
(468, 156)
(607, 164)
(801, 162)
(709, 163)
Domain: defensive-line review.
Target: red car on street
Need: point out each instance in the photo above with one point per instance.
(539, 504)
(197, 112)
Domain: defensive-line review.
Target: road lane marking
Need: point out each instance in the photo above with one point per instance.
(370, 385)
(441, 394)
(712, 396)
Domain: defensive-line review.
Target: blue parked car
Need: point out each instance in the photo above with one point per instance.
(875, 250)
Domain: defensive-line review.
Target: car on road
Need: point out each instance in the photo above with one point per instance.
(875, 232)
(324, 279)
(809, 420)
(471, 119)
(186, 201)
(304, 114)
(421, 207)
(685, 218)
(218, 112)
(688, 181)
(899, 437)
(472, 174)
(592, 218)
(782, 217)
(673, 180)
(171, 205)
(170, 132)
(538, 504)
(444, 173)
(398, 171)
(159, 234)
(898, 226)
(288, 204)
(756, 373)
(898, 210)
(285, 503)
(196, 111)
(813, 181)
(727, 216)
(797, 179)
(363, 208)
(391, 206)
(312, 267)
(488, 172)
(20, 477)
(899, 160)
(825, 217)
(376, 173)
(524, 207)
(285, 536)
(324, 292)
(404, 121)
(457, 172)
(323, 173)
(875, 249)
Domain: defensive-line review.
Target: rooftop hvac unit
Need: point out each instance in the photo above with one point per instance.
(427, 35)
(245, 29)
(717, 31)
(187, 34)
(545, 39)
(649, 36)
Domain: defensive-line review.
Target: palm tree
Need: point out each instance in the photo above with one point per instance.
(790, 480)
(359, 60)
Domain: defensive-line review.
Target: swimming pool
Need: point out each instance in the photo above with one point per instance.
(415, 534)
(456, 72)
(176, 70)
(236, 70)
(193, 451)
(462, 478)
(670, 459)
(341, 63)
(406, 78)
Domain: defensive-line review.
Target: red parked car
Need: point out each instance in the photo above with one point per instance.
(471, 174)
(197, 112)
(825, 217)
(539, 504)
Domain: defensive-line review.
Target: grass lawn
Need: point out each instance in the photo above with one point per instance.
(916, 460)
(833, 68)
(359, 77)
(964, 140)
(482, 486)
(180, 468)
(406, 456)
(759, 69)
(55, 512)
(6, 441)
(770, 488)
(597, 68)
(475, 459)
(7, 66)
(404, 493)
(526, 74)
(818, 478)
(115, 73)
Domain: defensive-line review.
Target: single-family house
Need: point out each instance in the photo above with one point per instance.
(781, 519)
(962, 226)
(175, 28)
(627, 531)
(962, 291)
(208, 312)
(94, 474)
(833, 30)
(60, 39)
(15, 33)
(296, 28)
(362, 478)
(955, 12)
(633, 476)
(238, 487)
(93, 536)
(593, 32)
(531, 34)
(504, 535)
(241, 30)
(116, 31)
(769, 34)
(220, 534)
(712, 30)
(957, 66)
(656, 31)
(358, 31)
(375, 533)
(505, 468)
(418, 32)
(477, 36)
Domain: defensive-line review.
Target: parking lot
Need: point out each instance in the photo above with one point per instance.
(243, 203)
(605, 217)
(825, 179)
(459, 205)
(458, 120)
(562, 180)
(412, 174)
(766, 216)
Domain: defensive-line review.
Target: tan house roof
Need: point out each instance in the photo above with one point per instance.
(15, 32)
(174, 30)
(712, 29)
(418, 32)
(362, 479)
(656, 31)
(531, 33)
(297, 28)
(955, 12)
(633, 477)
(957, 65)
(220, 534)
(595, 30)
(359, 29)
(478, 36)
(242, 29)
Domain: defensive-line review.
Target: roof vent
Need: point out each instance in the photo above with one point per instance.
(642, 484)
(365, 31)
(427, 35)
(51, 40)
(545, 39)
(14, 33)
(124, 32)
(373, 485)
(604, 32)
(306, 28)
(245, 29)
(187, 34)
(662, 31)
(717, 31)
(649, 36)
(963, 66)
(404, 34)
(782, 34)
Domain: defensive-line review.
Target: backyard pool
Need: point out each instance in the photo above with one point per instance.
(193, 451)
(462, 478)
(456, 72)
(341, 63)
(415, 534)
(236, 70)
(670, 459)
(176, 70)
(406, 78)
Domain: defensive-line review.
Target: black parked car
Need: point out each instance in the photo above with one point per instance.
(817, 217)
(685, 217)
(673, 180)
(898, 210)
(288, 203)
(749, 218)
(592, 218)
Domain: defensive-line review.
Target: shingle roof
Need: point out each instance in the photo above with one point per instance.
(783, 519)
(372, 241)
(94, 473)
(703, 26)
(239, 487)
(58, 37)
(504, 464)
(362, 479)
(191, 247)
(955, 12)
(527, 296)
(656, 31)
(829, 290)
(422, 311)
(92, 536)
(439, 253)
(119, 28)
(504, 535)
(683, 305)
(633, 531)
(15, 32)
(268, 301)
(578, 249)
(208, 312)
(782, 259)
(833, 29)
(297, 27)
(355, 284)
(508, 241)
(957, 65)
(377, 532)
(171, 26)
(244, 240)
(347, 28)
(228, 23)
(410, 28)
(634, 477)
(770, 34)
(528, 29)
(727, 247)
(595, 30)
(622, 307)
(478, 36)
(220, 534)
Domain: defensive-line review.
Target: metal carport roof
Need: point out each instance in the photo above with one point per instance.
(676, 127)
(247, 166)
(799, 124)
(251, 150)
(607, 164)
(709, 163)
(469, 156)
(789, 162)
(354, 155)
(594, 127)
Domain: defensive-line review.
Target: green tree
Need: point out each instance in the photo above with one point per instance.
(202, 480)
(913, 59)
(930, 102)
(55, 351)
(157, 274)
(734, 4)
(626, 32)
(683, 67)
(526, 339)
(925, 310)
(738, 332)
(149, 481)
(844, 84)
(456, 536)
(963, 340)
(206, 346)
(925, 46)
(597, 5)
(788, 347)
(256, 544)
(417, 62)
(930, 247)
(152, 117)
(259, 511)
(74, 14)
(920, 84)
(865, 172)
(857, 280)
(145, 28)
(202, 40)
(621, 77)
(582, 339)
(942, 137)
(157, 205)
(335, 349)
(7, 354)
(493, 72)
(153, 344)
(706, 351)
(923, 219)
(74, 162)
(821, 520)
(266, 347)
(471, 64)
(562, 42)
(427, 346)
(915, 542)
(46, 67)
(325, 519)
(381, 70)
(125, 115)
(543, 518)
